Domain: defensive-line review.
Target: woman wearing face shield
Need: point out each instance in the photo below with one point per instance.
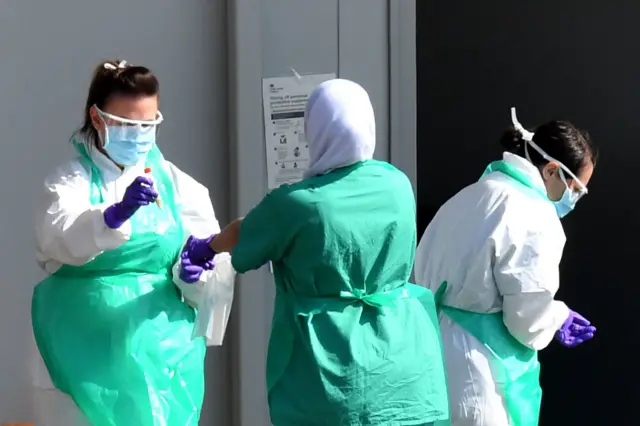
(114, 332)
(352, 342)
(491, 254)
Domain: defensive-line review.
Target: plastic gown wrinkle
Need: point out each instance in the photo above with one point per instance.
(72, 231)
(114, 333)
(212, 294)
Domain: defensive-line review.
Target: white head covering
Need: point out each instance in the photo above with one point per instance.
(340, 126)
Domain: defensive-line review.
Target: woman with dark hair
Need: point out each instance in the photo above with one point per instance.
(491, 254)
(121, 346)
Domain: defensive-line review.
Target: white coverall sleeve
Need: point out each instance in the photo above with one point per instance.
(69, 230)
(212, 294)
(526, 272)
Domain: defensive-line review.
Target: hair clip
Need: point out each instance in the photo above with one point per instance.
(110, 66)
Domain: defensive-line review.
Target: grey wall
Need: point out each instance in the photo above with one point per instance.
(571, 59)
(47, 53)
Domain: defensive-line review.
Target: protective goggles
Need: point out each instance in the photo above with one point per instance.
(122, 121)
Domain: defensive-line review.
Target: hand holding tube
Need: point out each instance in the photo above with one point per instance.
(140, 193)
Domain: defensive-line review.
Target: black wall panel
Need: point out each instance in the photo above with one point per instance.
(576, 60)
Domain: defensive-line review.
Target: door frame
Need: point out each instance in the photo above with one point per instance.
(403, 88)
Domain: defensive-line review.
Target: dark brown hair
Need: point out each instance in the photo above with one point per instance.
(561, 140)
(109, 80)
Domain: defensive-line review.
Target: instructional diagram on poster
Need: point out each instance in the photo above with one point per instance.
(284, 101)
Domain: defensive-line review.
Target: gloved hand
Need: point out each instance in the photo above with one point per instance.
(575, 330)
(198, 250)
(139, 193)
(190, 272)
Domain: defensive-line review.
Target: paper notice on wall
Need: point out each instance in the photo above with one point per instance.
(284, 100)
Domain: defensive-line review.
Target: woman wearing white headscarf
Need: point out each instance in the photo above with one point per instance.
(352, 343)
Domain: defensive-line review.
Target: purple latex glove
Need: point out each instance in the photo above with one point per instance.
(139, 193)
(189, 272)
(575, 330)
(198, 250)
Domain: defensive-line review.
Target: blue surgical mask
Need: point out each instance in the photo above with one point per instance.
(128, 145)
(569, 199)
(566, 204)
(128, 142)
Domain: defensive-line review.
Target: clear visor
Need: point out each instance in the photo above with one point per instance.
(528, 138)
(114, 120)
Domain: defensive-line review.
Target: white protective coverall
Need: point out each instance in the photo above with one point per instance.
(499, 248)
(71, 231)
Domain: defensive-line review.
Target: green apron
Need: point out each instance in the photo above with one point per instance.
(517, 364)
(114, 333)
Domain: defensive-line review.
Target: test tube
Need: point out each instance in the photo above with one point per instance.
(158, 200)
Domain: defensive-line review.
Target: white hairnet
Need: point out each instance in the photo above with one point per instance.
(340, 126)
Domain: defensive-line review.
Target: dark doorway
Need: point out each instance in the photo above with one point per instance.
(568, 59)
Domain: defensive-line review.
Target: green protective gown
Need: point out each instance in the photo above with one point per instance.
(352, 342)
(518, 364)
(114, 333)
